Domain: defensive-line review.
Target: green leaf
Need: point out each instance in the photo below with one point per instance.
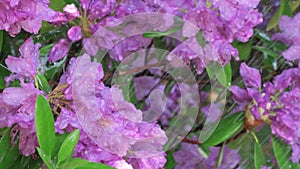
(43, 83)
(57, 5)
(160, 34)
(220, 157)
(294, 5)
(44, 51)
(160, 48)
(226, 129)
(243, 48)
(59, 139)
(29, 163)
(44, 123)
(267, 51)
(46, 28)
(47, 160)
(48, 35)
(67, 147)
(8, 153)
(169, 87)
(171, 163)
(284, 9)
(73, 163)
(259, 158)
(3, 73)
(55, 69)
(223, 74)
(283, 153)
(78, 163)
(95, 166)
(127, 86)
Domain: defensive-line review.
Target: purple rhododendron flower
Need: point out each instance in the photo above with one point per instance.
(26, 65)
(188, 156)
(250, 76)
(59, 50)
(221, 23)
(26, 14)
(273, 103)
(143, 129)
(119, 124)
(22, 100)
(290, 35)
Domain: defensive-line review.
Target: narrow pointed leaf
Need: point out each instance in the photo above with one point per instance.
(223, 74)
(47, 160)
(259, 158)
(57, 5)
(67, 147)
(226, 129)
(73, 163)
(95, 166)
(3, 73)
(44, 123)
(284, 9)
(43, 83)
(8, 153)
(283, 153)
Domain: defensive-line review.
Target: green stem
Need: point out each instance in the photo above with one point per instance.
(254, 136)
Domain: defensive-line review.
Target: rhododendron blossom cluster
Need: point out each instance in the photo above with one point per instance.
(149, 84)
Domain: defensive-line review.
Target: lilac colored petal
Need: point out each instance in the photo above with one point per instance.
(6, 112)
(71, 11)
(240, 95)
(148, 162)
(16, 95)
(250, 75)
(289, 77)
(43, 12)
(28, 62)
(66, 120)
(24, 14)
(282, 38)
(59, 50)
(269, 88)
(121, 164)
(255, 112)
(296, 153)
(84, 3)
(143, 85)
(59, 18)
(255, 94)
(231, 158)
(104, 39)
(90, 46)
(128, 46)
(74, 33)
(225, 51)
(293, 53)
(189, 29)
(250, 4)
(289, 27)
(189, 157)
(113, 123)
(280, 128)
(291, 101)
(28, 141)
